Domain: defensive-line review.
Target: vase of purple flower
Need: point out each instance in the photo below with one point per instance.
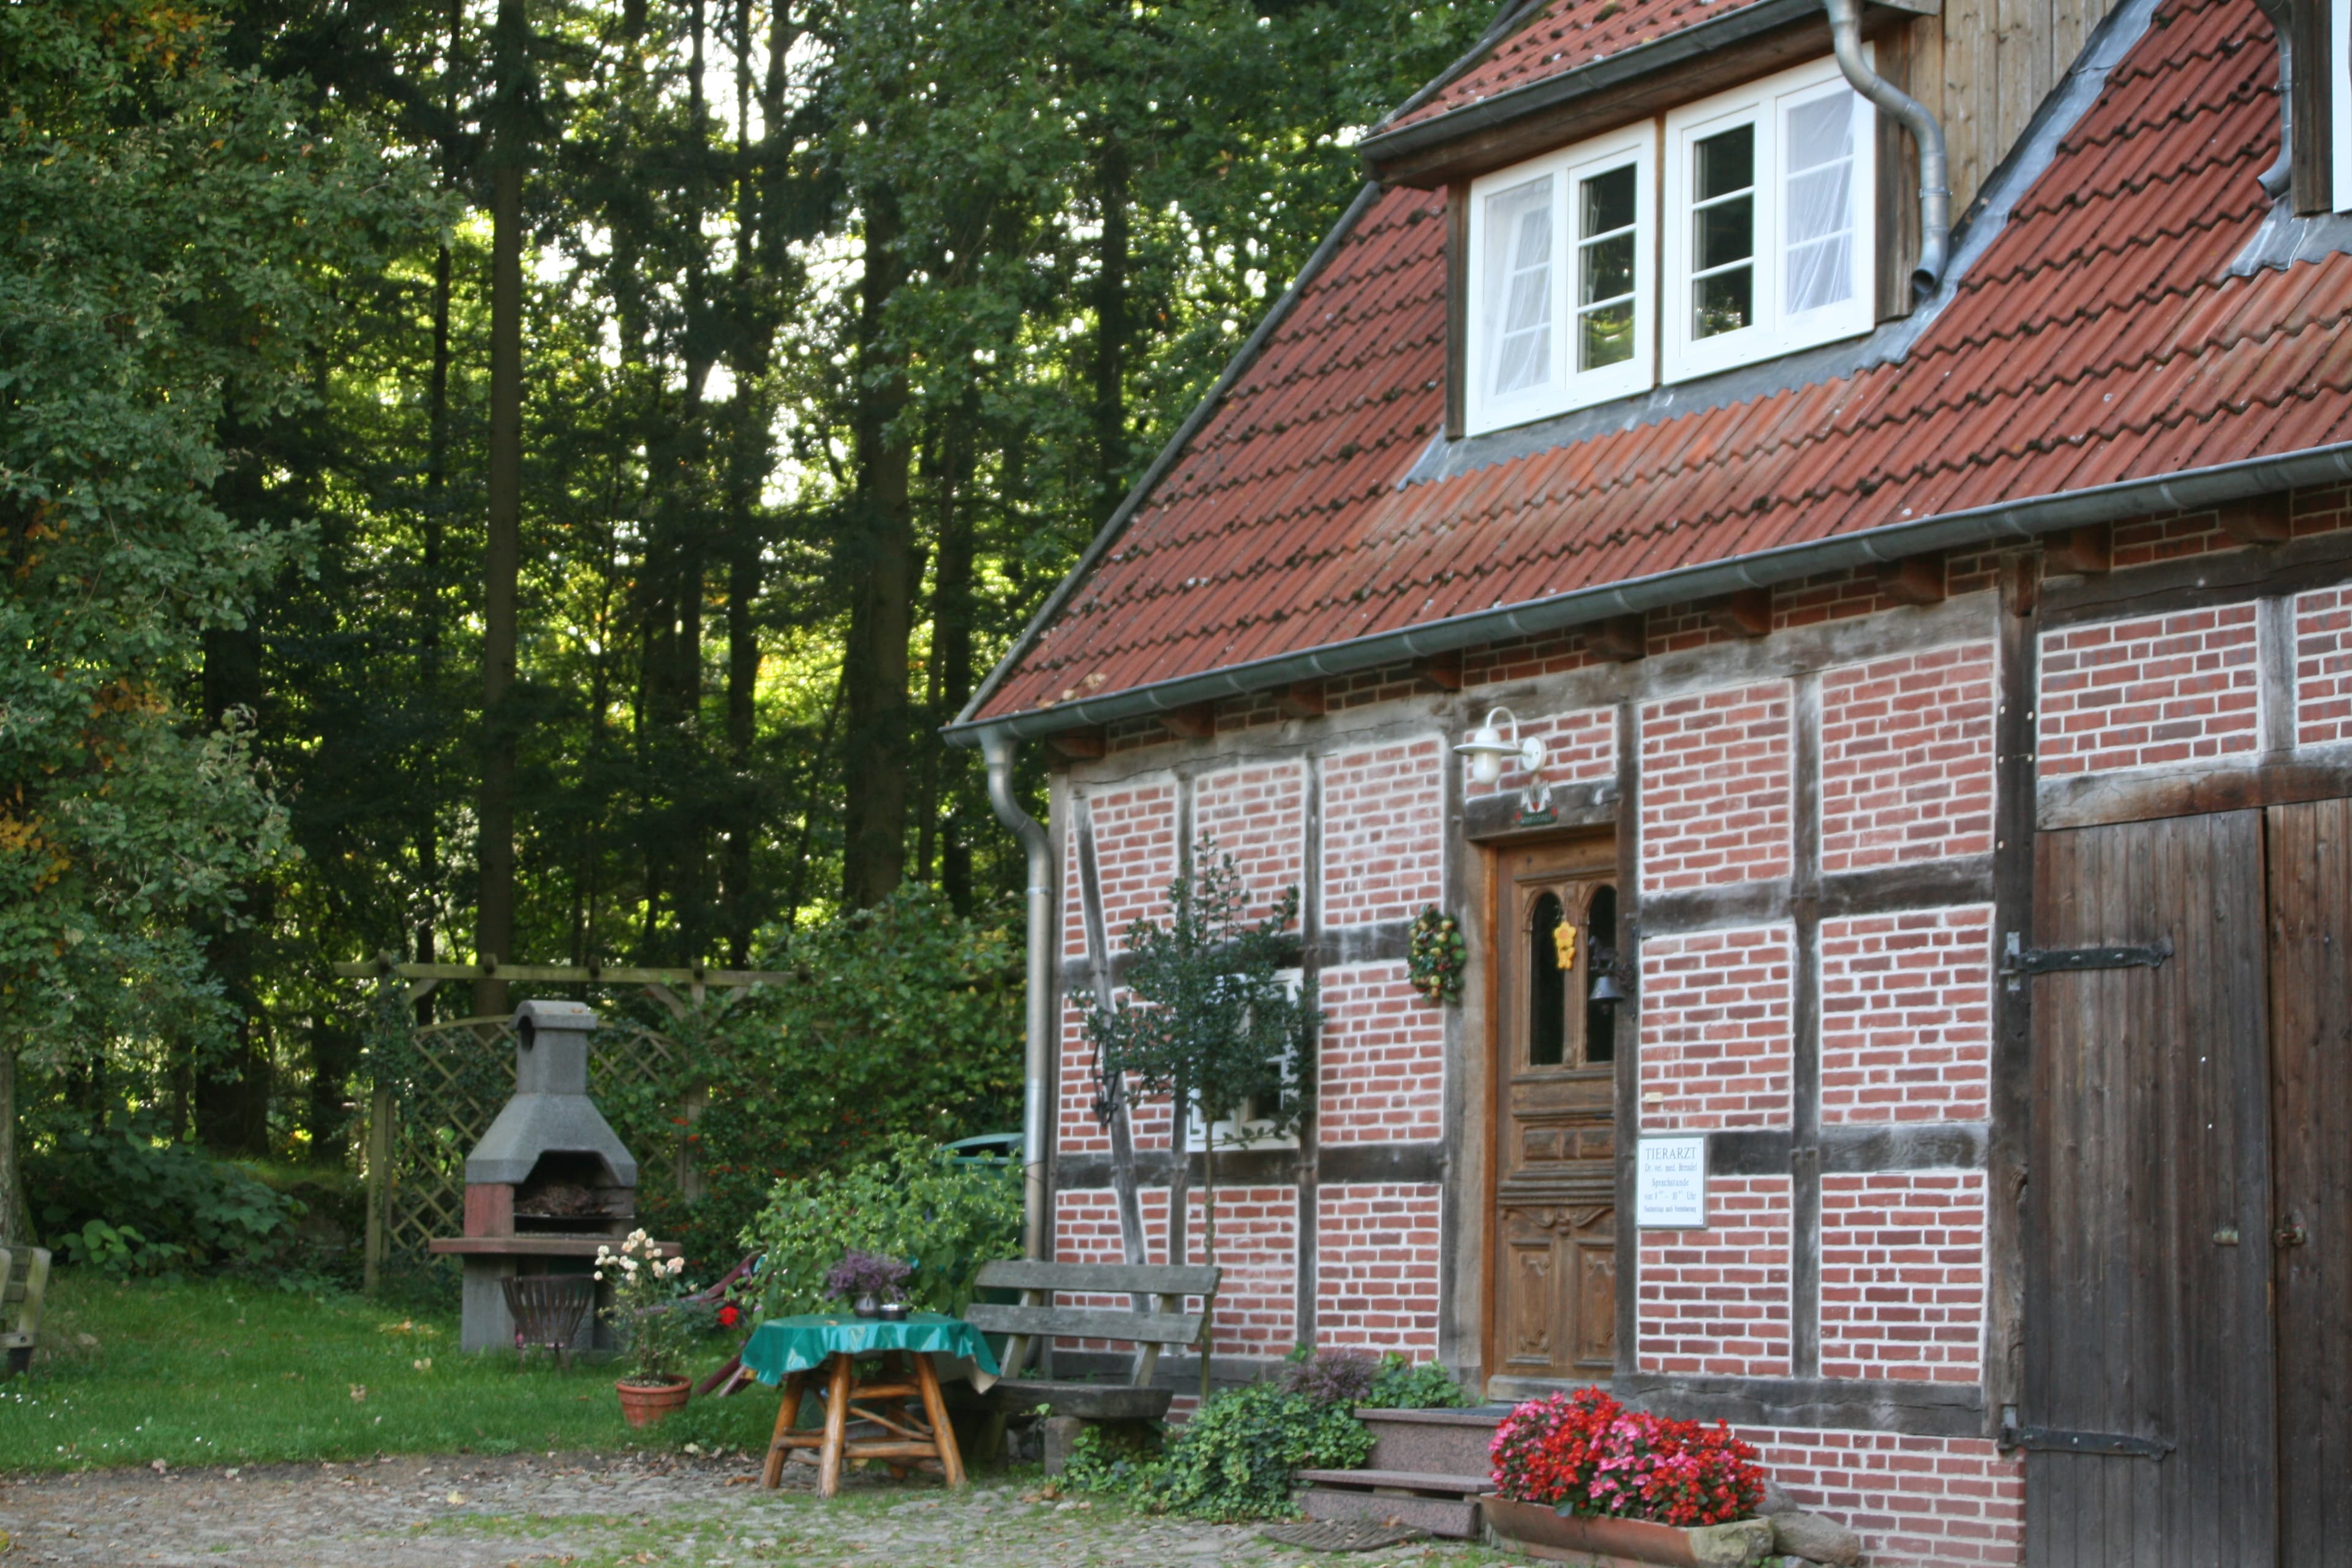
(865, 1279)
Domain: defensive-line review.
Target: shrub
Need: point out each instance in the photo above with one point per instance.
(944, 1217)
(1383, 1382)
(1584, 1453)
(1401, 1385)
(122, 1201)
(1234, 1460)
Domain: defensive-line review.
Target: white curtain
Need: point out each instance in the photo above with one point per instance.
(1817, 139)
(1518, 286)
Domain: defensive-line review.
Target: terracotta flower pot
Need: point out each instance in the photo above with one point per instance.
(648, 1403)
(1537, 1529)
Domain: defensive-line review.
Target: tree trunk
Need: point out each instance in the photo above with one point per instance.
(1208, 1243)
(501, 557)
(952, 619)
(16, 1223)
(334, 1053)
(744, 798)
(1112, 331)
(232, 1088)
(879, 562)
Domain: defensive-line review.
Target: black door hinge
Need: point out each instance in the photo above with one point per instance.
(2053, 1440)
(2017, 960)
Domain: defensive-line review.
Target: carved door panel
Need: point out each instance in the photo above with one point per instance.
(1555, 918)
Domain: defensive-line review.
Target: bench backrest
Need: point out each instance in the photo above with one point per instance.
(24, 1285)
(1154, 1317)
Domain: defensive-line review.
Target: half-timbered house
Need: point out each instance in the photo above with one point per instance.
(1894, 458)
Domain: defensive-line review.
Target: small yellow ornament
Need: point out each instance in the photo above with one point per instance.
(1563, 941)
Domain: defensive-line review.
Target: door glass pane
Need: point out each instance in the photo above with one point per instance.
(1819, 264)
(1604, 293)
(1600, 947)
(1519, 287)
(1723, 232)
(1548, 987)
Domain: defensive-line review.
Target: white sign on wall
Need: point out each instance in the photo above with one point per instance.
(1670, 1192)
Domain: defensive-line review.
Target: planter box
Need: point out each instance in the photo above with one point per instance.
(1535, 1530)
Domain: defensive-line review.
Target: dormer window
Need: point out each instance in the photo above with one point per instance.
(1601, 269)
(1770, 238)
(1560, 306)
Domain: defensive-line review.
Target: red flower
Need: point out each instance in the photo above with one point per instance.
(1585, 1453)
(730, 1315)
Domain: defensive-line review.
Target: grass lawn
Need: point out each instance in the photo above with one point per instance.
(219, 1373)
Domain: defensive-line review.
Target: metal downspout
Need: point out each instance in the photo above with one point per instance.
(996, 746)
(1935, 173)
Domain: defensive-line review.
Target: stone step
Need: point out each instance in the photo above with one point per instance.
(1454, 1518)
(1442, 1442)
(1439, 1482)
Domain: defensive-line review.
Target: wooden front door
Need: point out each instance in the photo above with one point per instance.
(1554, 909)
(2148, 1418)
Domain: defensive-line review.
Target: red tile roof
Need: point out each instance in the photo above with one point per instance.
(2100, 337)
(1562, 36)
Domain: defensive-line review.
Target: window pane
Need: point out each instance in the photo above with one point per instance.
(1608, 201)
(1608, 269)
(1819, 191)
(1548, 987)
(1726, 162)
(1600, 950)
(1724, 303)
(1605, 335)
(1726, 233)
(1518, 286)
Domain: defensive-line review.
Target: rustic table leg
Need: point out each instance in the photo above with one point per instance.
(788, 1417)
(836, 1429)
(935, 1405)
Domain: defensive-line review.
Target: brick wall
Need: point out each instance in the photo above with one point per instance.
(1715, 1021)
(1907, 758)
(1076, 1130)
(1135, 854)
(1580, 747)
(1383, 844)
(2323, 666)
(1257, 1246)
(2155, 691)
(1716, 1301)
(1377, 1258)
(1907, 1015)
(1715, 787)
(1916, 1503)
(1257, 815)
(1380, 1067)
(1903, 1275)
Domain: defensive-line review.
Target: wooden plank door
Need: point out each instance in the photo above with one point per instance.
(2310, 1162)
(1555, 1286)
(2148, 1279)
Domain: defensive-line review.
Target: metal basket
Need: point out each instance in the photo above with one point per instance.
(547, 1310)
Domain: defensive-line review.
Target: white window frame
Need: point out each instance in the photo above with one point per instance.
(1774, 330)
(1565, 388)
(2339, 103)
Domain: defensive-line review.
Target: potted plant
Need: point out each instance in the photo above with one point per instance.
(866, 1279)
(655, 1323)
(1578, 1475)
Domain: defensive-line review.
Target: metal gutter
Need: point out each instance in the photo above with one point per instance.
(1603, 75)
(1927, 135)
(2004, 522)
(1124, 512)
(1037, 1056)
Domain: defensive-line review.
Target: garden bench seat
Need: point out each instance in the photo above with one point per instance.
(1154, 1316)
(26, 1271)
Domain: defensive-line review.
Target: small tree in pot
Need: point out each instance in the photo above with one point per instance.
(1213, 1018)
(655, 1323)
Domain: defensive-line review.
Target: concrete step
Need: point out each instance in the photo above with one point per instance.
(1454, 1518)
(1438, 1482)
(1440, 1442)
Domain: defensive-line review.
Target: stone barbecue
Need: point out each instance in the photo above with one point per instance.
(548, 1184)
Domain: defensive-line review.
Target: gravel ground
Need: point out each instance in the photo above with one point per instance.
(594, 1511)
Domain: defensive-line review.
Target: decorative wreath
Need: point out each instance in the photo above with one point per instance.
(1437, 956)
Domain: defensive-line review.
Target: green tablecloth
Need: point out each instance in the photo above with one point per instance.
(781, 1346)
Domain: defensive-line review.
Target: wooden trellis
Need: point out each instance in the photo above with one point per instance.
(463, 1071)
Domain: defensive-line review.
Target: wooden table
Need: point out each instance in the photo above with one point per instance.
(904, 1400)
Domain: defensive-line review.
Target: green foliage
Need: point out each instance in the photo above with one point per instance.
(918, 1202)
(1234, 1458)
(1207, 1011)
(657, 1326)
(123, 1202)
(901, 1028)
(1401, 1385)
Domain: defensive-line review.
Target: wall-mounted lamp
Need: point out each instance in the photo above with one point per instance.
(1487, 752)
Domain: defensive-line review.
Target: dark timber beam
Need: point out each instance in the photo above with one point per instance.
(1620, 639)
(2258, 519)
(1195, 722)
(1443, 670)
(2086, 551)
(1914, 580)
(1079, 745)
(1747, 613)
(1301, 700)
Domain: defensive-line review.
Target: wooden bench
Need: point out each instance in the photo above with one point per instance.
(1154, 1318)
(25, 1270)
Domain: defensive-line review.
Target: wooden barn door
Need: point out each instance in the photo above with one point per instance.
(2311, 1121)
(1555, 1286)
(2148, 1419)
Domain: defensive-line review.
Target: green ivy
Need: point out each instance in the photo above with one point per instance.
(1234, 1460)
(1401, 1385)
